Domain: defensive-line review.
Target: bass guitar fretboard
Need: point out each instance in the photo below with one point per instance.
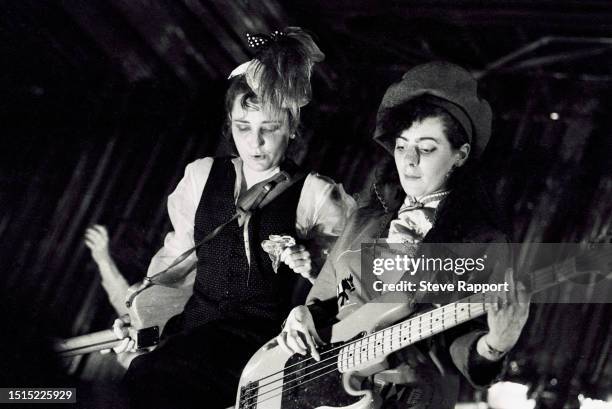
(361, 353)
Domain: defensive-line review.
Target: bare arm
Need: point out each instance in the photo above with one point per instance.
(96, 239)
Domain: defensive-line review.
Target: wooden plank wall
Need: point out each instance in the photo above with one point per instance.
(119, 109)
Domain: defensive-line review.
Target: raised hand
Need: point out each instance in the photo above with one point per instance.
(96, 239)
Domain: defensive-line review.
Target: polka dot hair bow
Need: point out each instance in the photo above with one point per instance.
(260, 40)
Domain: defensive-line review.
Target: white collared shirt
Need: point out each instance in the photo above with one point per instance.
(323, 209)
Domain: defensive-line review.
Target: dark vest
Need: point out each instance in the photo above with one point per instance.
(226, 288)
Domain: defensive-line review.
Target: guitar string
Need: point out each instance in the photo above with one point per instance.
(344, 360)
(434, 331)
(539, 279)
(443, 314)
(536, 281)
(347, 358)
(343, 343)
(365, 341)
(255, 404)
(368, 344)
(369, 341)
(456, 303)
(296, 379)
(431, 313)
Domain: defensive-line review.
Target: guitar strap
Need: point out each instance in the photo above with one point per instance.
(255, 198)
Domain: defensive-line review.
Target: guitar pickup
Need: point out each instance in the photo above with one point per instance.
(147, 337)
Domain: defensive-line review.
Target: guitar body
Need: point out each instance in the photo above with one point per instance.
(149, 313)
(273, 379)
(152, 309)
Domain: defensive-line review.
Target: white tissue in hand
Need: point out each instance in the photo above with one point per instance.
(275, 247)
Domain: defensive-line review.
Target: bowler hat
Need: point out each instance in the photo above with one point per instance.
(452, 88)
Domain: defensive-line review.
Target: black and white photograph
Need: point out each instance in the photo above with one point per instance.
(306, 204)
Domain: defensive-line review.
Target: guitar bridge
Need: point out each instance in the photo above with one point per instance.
(248, 395)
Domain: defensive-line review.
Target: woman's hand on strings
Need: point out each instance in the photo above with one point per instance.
(96, 239)
(507, 315)
(298, 259)
(299, 335)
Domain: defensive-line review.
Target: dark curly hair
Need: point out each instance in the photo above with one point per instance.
(399, 118)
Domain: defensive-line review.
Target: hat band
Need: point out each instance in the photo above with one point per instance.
(456, 112)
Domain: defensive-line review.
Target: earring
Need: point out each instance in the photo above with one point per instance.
(292, 136)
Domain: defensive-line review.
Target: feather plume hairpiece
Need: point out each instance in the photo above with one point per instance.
(281, 70)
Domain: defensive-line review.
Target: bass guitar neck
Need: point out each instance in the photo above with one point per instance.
(360, 344)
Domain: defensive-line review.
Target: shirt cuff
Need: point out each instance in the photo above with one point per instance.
(482, 371)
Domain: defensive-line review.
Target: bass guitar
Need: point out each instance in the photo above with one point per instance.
(360, 344)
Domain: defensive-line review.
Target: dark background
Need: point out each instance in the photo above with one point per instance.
(104, 103)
